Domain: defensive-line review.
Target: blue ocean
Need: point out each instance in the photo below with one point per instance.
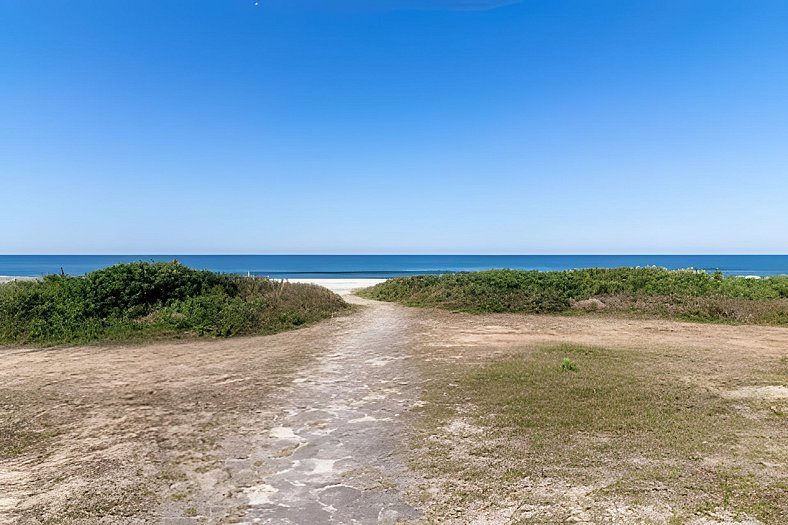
(385, 266)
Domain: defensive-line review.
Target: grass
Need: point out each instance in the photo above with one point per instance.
(683, 294)
(624, 426)
(140, 301)
(567, 365)
(23, 425)
(608, 397)
(15, 441)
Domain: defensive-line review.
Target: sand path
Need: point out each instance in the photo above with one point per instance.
(336, 451)
(310, 426)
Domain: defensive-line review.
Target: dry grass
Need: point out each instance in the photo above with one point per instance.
(624, 438)
(24, 426)
(734, 310)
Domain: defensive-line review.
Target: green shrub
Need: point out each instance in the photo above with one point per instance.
(689, 294)
(142, 300)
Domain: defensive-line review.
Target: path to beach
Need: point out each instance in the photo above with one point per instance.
(308, 426)
(337, 448)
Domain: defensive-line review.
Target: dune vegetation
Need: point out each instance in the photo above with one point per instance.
(679, 294)
(142, 300)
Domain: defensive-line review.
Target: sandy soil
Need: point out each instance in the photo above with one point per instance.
(126, 429)
(9, 278)
(300, 427)
(341, 286)
(744, 364)
(725, 351)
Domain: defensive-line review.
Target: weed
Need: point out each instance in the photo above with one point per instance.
(567, 365)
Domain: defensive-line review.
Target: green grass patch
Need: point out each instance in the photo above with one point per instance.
(605, 396)
(683, 294)
(141, 300)
(619, 421)
(567, 365)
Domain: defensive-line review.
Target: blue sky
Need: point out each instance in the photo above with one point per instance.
(436, 126)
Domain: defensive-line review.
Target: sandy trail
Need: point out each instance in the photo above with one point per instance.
(337, 450)
(307, 426)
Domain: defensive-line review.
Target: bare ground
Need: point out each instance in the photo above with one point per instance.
(733, 378)
(316, 425)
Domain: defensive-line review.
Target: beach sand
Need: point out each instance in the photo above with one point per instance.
(340, 286)
(10, 278)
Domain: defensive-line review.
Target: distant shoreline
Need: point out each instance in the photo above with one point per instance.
(12, 278)
(388, 266)
(339, 286)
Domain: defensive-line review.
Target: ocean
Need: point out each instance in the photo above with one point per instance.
(385, 266)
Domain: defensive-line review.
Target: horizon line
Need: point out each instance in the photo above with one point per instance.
(409, 254)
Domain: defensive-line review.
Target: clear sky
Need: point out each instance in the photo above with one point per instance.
(364, 126)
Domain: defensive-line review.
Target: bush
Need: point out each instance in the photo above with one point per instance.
(687, 294)
(141, 300)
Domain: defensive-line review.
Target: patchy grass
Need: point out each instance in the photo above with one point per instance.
(16, 440)
(24, 426)
(141, 301)
(731, 310)
(623, 431)
(121, 502)
(681, 294)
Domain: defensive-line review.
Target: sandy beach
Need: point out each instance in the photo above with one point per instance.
(340, 286)
(11, 278)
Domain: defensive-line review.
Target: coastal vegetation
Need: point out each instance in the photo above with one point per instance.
(144, 300)
(681, 294)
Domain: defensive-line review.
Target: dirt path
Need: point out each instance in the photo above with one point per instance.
(337, 451)
(304, 426)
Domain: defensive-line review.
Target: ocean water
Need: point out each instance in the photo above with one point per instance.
(384, 266)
